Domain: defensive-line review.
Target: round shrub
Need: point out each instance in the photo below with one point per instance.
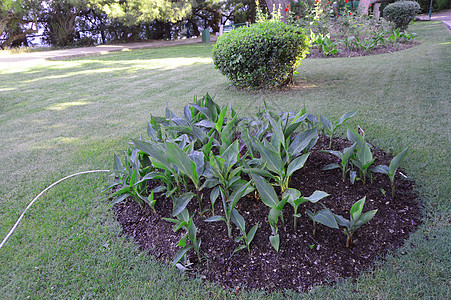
(263, 55)
(401, 13)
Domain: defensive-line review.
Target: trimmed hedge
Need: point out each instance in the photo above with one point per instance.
(401, 13)
(263, 55)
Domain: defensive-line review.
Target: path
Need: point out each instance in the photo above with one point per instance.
(444, 16)
(27, 59)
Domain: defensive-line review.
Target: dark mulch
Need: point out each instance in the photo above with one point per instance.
(304, 260)
(316, 53)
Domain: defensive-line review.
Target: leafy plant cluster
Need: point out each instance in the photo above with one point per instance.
(334, 29)
(401, 13)
(211, 154)
(265, 54)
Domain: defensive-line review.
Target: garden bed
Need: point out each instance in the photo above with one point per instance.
(304, 260)
(317, 53)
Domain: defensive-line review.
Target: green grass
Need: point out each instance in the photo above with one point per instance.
(62, 117)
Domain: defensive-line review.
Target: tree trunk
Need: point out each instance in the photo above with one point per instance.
(364, 5)
(19, 36)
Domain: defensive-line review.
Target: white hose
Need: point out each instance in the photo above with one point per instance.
(36, 198)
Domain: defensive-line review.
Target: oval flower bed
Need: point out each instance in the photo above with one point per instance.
(262, 203)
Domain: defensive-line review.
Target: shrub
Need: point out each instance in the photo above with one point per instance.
(401, 13)
(265, 54)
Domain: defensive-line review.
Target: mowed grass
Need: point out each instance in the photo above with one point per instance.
(63, 117)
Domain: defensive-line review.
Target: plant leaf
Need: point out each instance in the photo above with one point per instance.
(292, 194)
(356, 209)
(341, 221)
(238, 220)
(251, 233)
(301, 141)
(230, 155)
(240, 193)
(180, 255)
(181, 202)
(325, 217)
(296, 164)
(241, 247)
(206, 124)
(364, 218)
(316, 196)
(215, 219)
(277, 130)
(330, 167)
(380, 169)
(333, 152)
(155, 151)
(326, 124)
(394, 164)
(345, 117)
(266, 191)
(272, 159)
(275, 241)
(178, 157)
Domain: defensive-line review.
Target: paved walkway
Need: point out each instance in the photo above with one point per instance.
(444, 16)
(27, 59)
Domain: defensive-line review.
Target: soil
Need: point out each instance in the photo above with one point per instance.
(304, 260)
(316, 53)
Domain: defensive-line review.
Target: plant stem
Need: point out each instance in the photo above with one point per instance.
(348, 241)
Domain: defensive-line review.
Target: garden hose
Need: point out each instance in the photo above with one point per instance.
(36, 198)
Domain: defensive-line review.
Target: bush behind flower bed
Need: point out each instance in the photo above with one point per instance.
(265, 54)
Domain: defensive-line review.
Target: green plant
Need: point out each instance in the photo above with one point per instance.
(265, 54)
(247, 238)
(330, 127)
(391, 169)
(357, 219)
(401, 13)
(367, 44)
(324, 43)
(282, 156)
(221, 174)
(398, 36)
(186, 222)
(295, 199)
(131, 182)
(344, 157)
(270, 199)
(363, 158)
(229, 204)
(324, 216)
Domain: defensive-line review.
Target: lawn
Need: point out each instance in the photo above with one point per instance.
(63, 117)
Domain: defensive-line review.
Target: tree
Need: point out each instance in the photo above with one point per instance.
(18, 19)
(59, 18)
(133, 12)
